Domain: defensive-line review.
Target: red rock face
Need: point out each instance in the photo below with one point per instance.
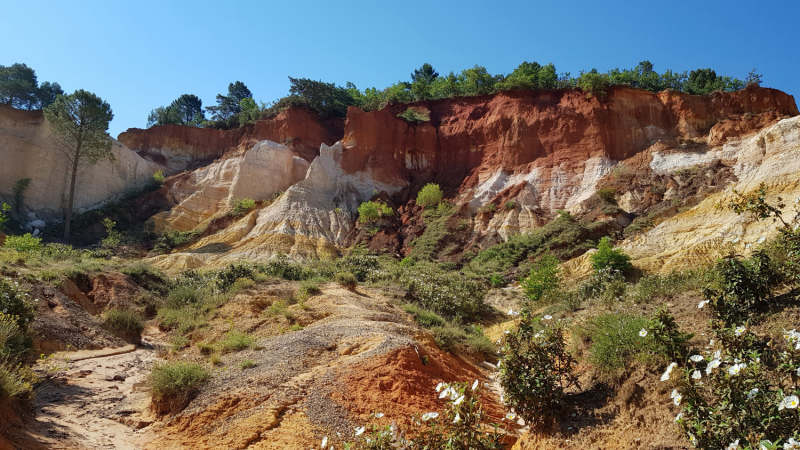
(301, 130)
(469, 138)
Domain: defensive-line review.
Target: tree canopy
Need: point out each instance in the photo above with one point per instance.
(229, 105)
(185, 110)
(19, 88)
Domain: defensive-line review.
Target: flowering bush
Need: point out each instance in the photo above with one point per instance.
(535, 370)
(447, 293)
(743, 285)
(14, 302)
(743, 395)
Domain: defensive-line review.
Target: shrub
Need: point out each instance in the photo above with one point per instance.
(148, 277)
(743, 285)
(235, 341)
(159, 177)
(247, 364)
(24, 243)
(171, 239)
(544, 276)
(607, 256)
(183, 319)
(428, 246)
(372, 211)
(184, 295)
(283, 267)
(424, 317)
(3, 216)
(14, 302)
(667, 339)
(123, 320)
(446, 293)
(497, 281)
(744, 393)
(347, 280)
(279, 308)
(607, 285)
(310, 287)
(225, 277)
(615, 341)
(416, 115)
(511, 205)
(242, 207)
(535, 371)
(430, 196)
(113, 237)
(651, 287)
(607, 194)
(174, 384)
(16, 380)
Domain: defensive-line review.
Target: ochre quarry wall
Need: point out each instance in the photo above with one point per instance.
(544, 151)
(177, 146)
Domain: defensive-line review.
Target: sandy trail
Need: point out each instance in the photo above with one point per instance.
(97, 402)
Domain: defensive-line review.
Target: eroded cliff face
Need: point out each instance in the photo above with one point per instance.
(177, 147)
(542, 151)
(28, 150)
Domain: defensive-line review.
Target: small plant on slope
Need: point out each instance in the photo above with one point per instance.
(430, 196)
(608, 256)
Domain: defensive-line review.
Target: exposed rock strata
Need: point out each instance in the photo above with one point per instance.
(177, 147)
(28, 150)
(535, 151)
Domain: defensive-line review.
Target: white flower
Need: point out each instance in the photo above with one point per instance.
(440, 386)
(506, 331)
(324, 442)
(674, 393)
(677, 399)
(696, 358)
(696, 375)
(798, 371)
(717, 354)
(475, 385)
(511, 312)
(752, 394)
(712, 365)
(643, 332)
(547, 317)
(511, 416)
(702, 304)
(671, 366)
(459, 400)
(736, 368)
(791, 444)
(457, 418)
(378, 415)
(692, 439)
(739, 330)
(735, 240)
(790, 402)
(678, 417)
(761, 240)
(733, 445)
(360, 431)
(430, 415)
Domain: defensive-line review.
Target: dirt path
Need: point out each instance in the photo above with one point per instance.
(97, 402)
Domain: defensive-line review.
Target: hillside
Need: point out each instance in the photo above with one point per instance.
(248, 299)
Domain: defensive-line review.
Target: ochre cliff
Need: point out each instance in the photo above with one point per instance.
(177, 146)
(543, 150)
(28, 150)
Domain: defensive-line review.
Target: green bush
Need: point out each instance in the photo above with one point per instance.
(497, 281)
(743, 285)
(171, 239)
(535, 371)
(372, 211)
(247, 364)
(159, 177)
(607, 256)
(428, 246)
(651, 287)
(430, 196)
(173, 384)
(310, 287)
(416, 115)
(113, 237)
(607, 194)
(224, 278)
(615, 341)
(424, 317)
(511, 205)
(4, 209)
(447, 293)
(606, 285)
(544, 276)
(346, 279)
(24, 243)
(242, 207)
(16, 380)
(235, 341)
(14, 302)
(123, 320)
(184, 295)
(666, 337)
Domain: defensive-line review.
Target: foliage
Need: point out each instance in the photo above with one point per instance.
(615, 341)
(667, 339)
(607, 285)
(14, 302)
(158, 177)
(416, 115)
(346, 279)
(229, 105)
(706, 81)
(429, 196)
(544, 276)
(123, 320)
(327, 99)
(250, 112)
(530, 76)
(497, 281)
(511, 205)
(535, 371)
(742, 286)
(427, 246)
(564, 237)
(15, 379)
(593, 83)
(171, 239)
(446, 293)
(79, 122)
(24, 243)
(235, 341)
(745, 392)
(243, 206)
(247, 364)
(650, 287)
(113, 237)
(310, 287)
(186, 110)
(426, 73)
(607, 194)
(607, 256)
(19, 87)
(19, 193)
(372, 211)
(4, 209)
(175, 383)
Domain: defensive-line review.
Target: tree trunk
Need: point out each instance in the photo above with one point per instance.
(73, 178)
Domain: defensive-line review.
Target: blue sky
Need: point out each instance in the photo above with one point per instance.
(144, 54)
